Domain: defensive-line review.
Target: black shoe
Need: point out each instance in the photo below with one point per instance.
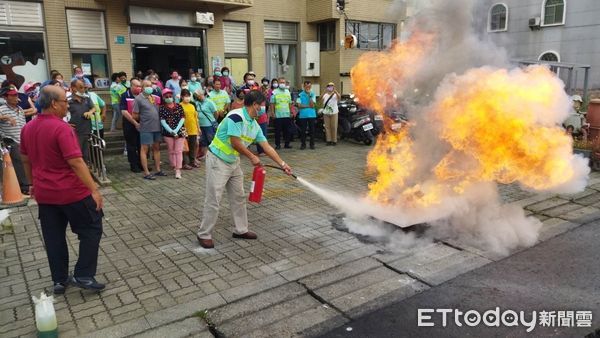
(334, 143)
(89, 283)
(302, 147)
(312, 146)
(135, 170)
(60, 288)
(277, 147)
(288, 147)
(329, 143)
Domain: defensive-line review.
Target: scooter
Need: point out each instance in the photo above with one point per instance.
(353, 122)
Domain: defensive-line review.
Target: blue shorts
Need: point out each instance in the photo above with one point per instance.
(208, 133)
(150, 138)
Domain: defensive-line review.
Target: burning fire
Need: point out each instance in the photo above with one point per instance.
(488, 125)
(379, 75)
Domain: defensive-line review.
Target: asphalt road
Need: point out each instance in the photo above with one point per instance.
(561, 274)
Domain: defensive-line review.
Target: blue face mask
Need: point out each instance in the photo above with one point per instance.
(148, 90)
(217, 73)
(168, 100)
(262, 111)
(225, 73)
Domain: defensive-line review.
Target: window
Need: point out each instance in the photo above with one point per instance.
(498, 18)
(87, 39)
(94, 66)
(550, 56)
(553, 12)
(236, 49)
(326, 35)
(372, 35)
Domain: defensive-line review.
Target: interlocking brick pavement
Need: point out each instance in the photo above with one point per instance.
(156, 271)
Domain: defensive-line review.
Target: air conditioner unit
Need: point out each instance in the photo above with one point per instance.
(535, 22)
(207, 18)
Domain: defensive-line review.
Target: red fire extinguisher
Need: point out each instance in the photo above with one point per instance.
(258, 183)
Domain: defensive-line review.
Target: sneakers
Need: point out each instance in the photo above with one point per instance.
(88, 283)
(59, 288)
(247, 235)
(177, 174)
(187, 167)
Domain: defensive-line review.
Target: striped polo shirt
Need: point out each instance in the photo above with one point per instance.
(6, 130)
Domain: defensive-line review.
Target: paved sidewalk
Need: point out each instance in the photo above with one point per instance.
(301, 277)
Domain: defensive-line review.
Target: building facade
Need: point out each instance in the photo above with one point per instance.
(549, 30)
(297, 39)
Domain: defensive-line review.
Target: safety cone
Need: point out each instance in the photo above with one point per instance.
(11, 192)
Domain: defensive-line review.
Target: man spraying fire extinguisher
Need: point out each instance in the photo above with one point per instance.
(223, 171)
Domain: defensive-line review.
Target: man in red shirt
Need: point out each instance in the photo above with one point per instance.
(64, 190)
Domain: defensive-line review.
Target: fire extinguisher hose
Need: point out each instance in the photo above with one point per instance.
(278, 168)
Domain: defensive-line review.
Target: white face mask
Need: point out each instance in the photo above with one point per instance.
(194, 79)
(282, 86)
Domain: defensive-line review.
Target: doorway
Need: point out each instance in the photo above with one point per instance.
(163, 59)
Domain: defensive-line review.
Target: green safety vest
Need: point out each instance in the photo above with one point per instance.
(282, 100)
(249, 132)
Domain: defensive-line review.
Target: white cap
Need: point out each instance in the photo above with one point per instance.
(576, 98)
(199, 91)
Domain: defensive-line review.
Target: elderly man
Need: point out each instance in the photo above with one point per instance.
(223, 171)
(78, 75)
(82, 109)
(130, 126)
(12, 120)
(64, 190)
(145, 110)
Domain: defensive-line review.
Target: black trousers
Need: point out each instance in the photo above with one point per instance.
(192, 145)
(283, 124)
(132, 138)
(86, 222)
(310, 124)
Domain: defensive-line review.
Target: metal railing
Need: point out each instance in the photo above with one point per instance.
(97, 167)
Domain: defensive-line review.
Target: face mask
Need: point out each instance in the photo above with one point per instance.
(217, 73)
(187, 99)
(136, 91)
(225, 73)
(124, 82)
(154, 86)
(282, 86)
(79, 75)
(275, 85)
(265, 84)
(329, 89)
(148, 90)
(194, 79)
(263, 110)
(168, 100)
(81, 94)
(184, 87)
(250, 82)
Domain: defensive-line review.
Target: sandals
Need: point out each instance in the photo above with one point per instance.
(160, 173)
(149, 177)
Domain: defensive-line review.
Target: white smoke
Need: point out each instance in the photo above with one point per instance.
(477, 216)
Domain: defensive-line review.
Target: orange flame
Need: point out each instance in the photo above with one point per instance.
(498, 125)
(378, 75)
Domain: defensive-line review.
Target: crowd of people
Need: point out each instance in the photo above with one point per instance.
(183, 113)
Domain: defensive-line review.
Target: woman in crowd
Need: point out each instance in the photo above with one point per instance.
(172, 120)
(192, 129)
(330, 113)
(207, 119)
(239, 100)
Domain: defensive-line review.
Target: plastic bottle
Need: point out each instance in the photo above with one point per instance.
(45, 316)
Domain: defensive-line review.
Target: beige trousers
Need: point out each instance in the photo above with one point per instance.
(222, 176)
(331, 124)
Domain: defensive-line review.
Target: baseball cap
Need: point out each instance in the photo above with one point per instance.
(166, 91)
(331, 84)
(30, 85)
(10, 90)
(576, 98)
